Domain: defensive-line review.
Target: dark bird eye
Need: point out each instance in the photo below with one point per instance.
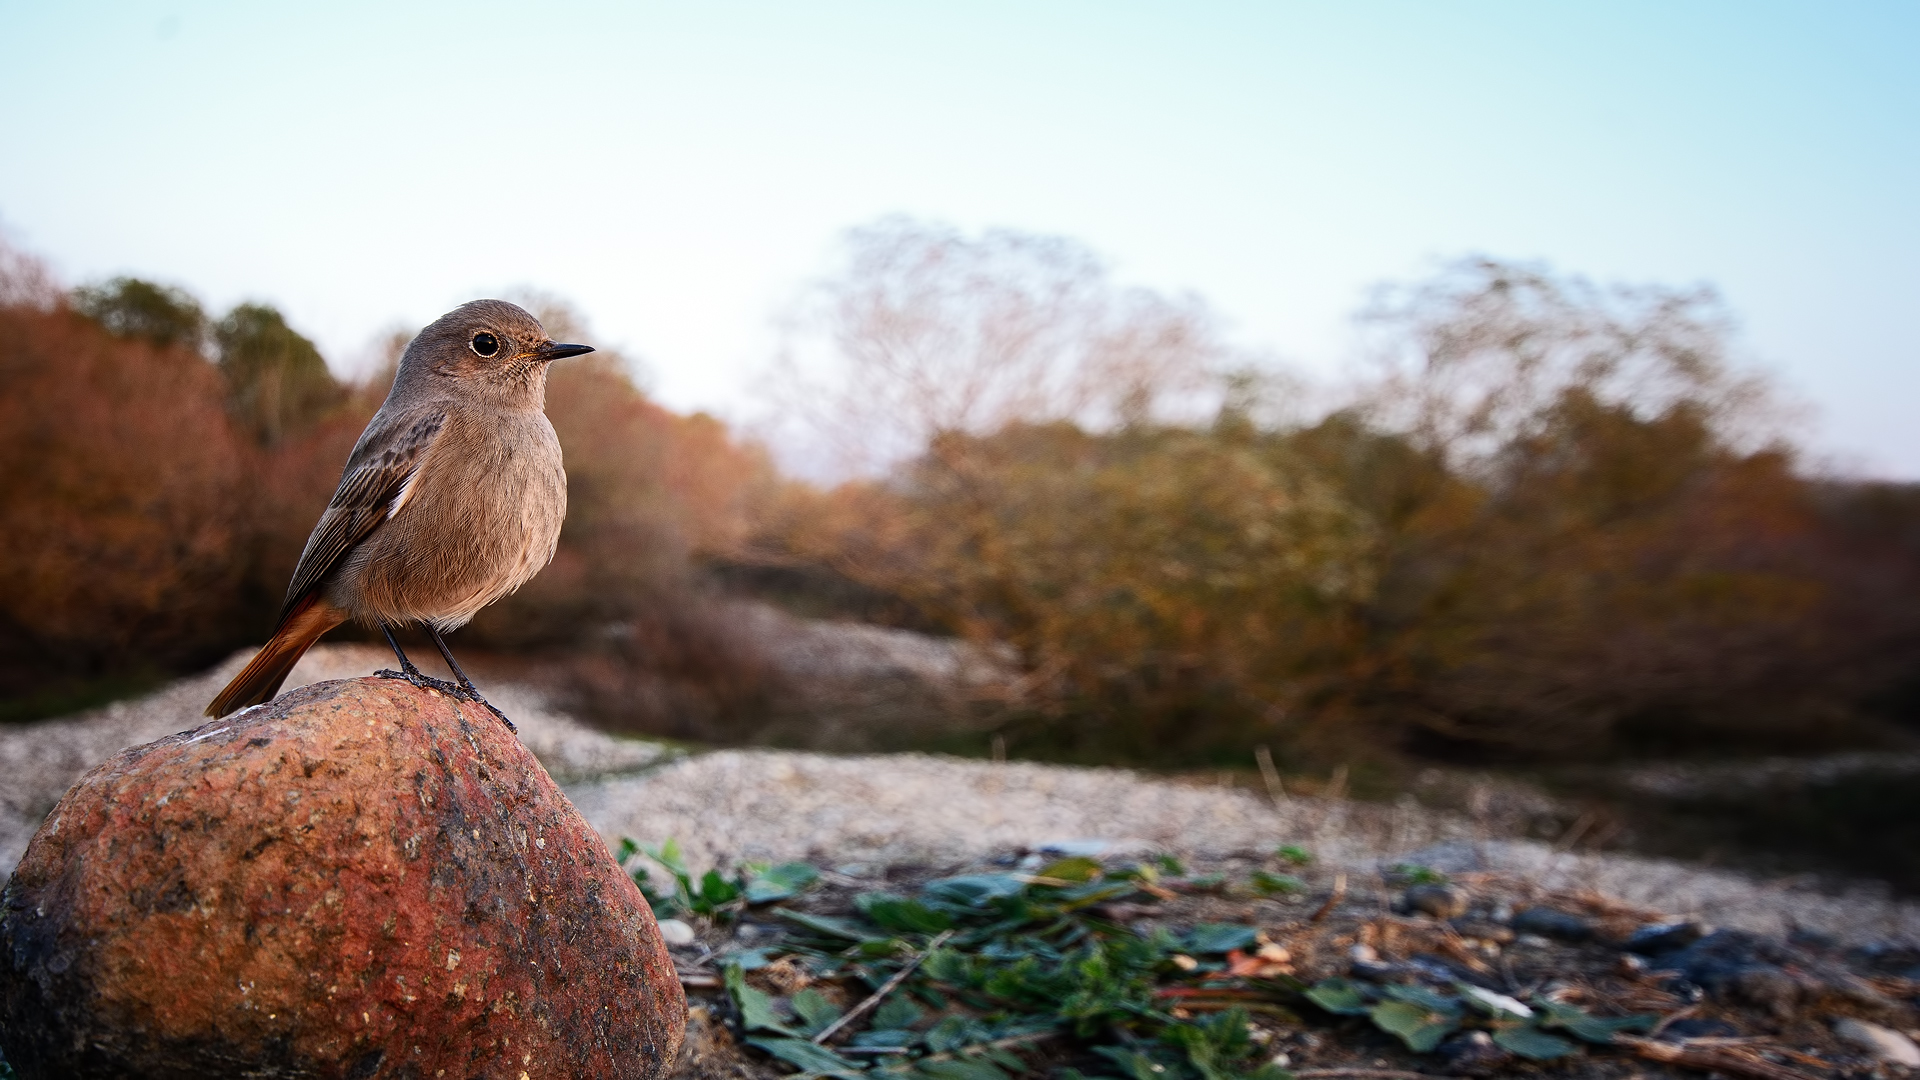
(484, 344)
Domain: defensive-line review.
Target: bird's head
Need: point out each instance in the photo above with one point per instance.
(492, 347)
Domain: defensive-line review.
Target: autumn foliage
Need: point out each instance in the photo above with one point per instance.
(1551, 520)
(1554, 520)
(162, 471)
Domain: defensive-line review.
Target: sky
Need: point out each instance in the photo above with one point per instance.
(680, 171)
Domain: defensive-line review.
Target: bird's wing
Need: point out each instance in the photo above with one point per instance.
(373, 488)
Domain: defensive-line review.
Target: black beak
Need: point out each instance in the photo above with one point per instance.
(554, 351)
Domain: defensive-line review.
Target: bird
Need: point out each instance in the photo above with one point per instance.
(452, 498)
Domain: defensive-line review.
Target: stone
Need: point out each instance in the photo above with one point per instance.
(675, 932)
(1483, 930)
(1745, 968)
(1473, 1053)
(1698, 1027)
(1439, 901)
(1549, 923)
(1884, 1044)
(358, 879)
(1656, 938)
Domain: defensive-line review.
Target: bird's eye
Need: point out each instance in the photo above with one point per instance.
(484, 344)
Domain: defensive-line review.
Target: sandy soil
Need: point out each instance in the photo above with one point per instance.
(735, 805)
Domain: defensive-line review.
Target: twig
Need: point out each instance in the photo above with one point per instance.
(886, 988)
(1270, 776)
(997, 1044)
(1572, 835)
(1709, 1060)
(1333, 899)
(695, 981)
(1364, 1075)
(1670, 1018)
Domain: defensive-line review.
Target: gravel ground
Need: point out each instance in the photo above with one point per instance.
(862, 813)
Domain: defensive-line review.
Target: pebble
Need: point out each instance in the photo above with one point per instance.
(1656, 938)
(1483, 930)
(1698, 1027)
(1548, 923)
(675, 932)
(1885, 1044)
(1439, 901)
(1473, 1053)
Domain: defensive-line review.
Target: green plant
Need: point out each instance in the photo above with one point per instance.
(712, 894)
(1271, 884)
(1415, 874)
(1421, 1017)
(991, 963)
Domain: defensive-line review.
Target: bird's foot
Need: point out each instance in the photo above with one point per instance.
(421, 679)
(474, 695)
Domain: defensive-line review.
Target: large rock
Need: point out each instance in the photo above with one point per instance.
(360, 879)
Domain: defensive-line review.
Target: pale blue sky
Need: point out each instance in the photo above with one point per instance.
(679, 170)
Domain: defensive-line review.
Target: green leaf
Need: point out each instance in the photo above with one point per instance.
(961, 1069)
(810, 1058)
(1298, 856)
(896, 1012)
(974, 890)
(1074, 897)
(1340, 997)
(825, 925)
(756, 1007)
(779, 882)
(1214, 1046)
(1593, 1029)
(901, 914)
(668, 855)
(1268, 884)
(1532, 1043)
(887, 1038)
(1424, 998)
(814, 1010)
(1220, 938)
(754, 959)
(1075, 868)
(1136, 1065)
(1415, 874)
(715, 891)
(1421, 1029)
(954, 1032)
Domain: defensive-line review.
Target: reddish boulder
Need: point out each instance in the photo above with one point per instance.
(360, 879)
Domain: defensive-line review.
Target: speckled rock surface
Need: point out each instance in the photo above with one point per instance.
(359, 879)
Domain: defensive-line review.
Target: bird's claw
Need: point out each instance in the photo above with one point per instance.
(424, 681)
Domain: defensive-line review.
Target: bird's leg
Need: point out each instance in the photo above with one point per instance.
(414, 675)
(466, 684)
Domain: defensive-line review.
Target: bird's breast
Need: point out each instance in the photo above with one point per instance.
(482, 516)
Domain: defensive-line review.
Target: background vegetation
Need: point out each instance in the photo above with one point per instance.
(1549, 520)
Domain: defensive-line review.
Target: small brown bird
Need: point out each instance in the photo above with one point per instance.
(452, 498)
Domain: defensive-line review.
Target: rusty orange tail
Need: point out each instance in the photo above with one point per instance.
(261, 678)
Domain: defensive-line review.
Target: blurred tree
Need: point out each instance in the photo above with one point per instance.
(122, 493)
(1558, 521)
(163, 315)
(1600, 541)
(277, 382)
(924, 331)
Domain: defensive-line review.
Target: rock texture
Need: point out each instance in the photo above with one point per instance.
(360, 879)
